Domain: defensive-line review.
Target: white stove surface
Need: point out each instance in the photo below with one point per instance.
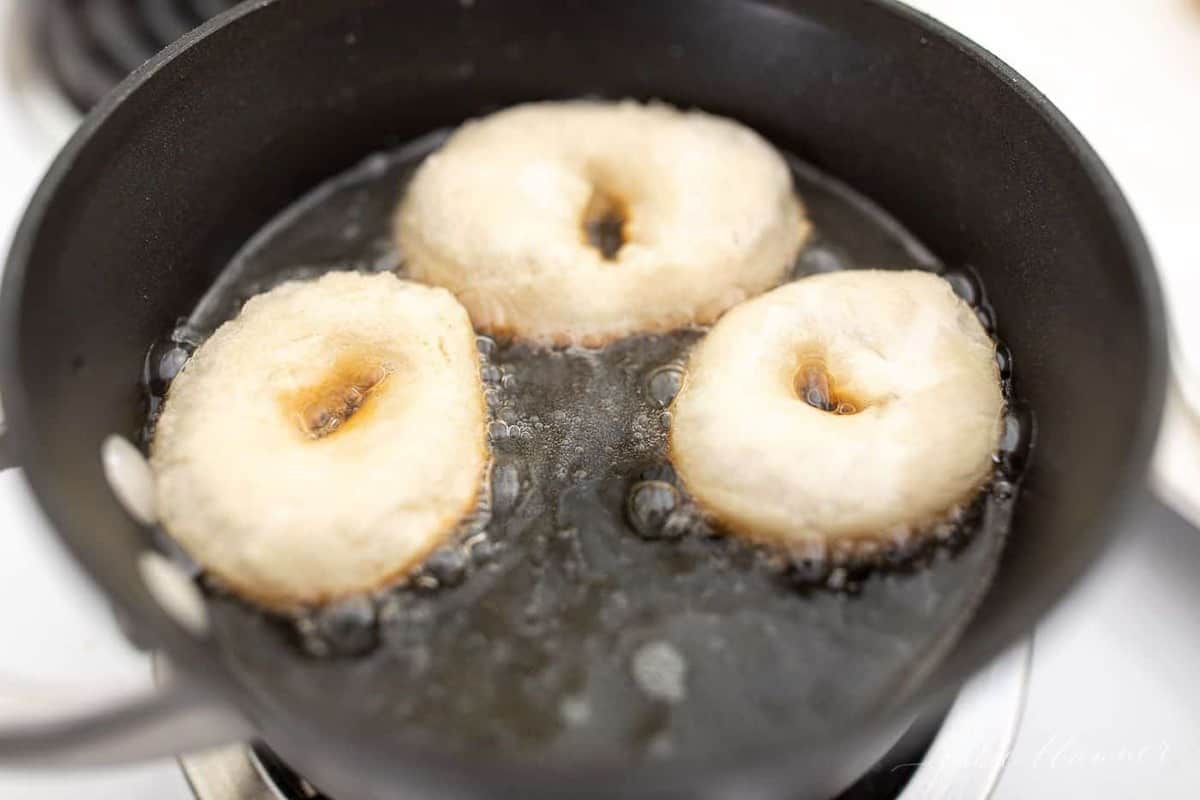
(1114, 702)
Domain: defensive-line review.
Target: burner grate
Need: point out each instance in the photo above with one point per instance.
(89, 46)
(885, 781)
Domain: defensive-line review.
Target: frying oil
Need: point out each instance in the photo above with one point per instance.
(588, 606)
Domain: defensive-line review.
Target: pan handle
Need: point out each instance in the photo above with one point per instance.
(79, 727)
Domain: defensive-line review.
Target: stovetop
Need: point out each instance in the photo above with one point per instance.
(1110, 703)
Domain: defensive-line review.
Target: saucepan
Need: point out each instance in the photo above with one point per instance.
(169, 177)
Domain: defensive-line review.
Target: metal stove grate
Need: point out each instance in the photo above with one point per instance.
(89, 46)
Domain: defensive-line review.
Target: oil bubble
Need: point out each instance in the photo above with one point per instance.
(376, 165)
(664, 383)
(1004, 361)
(838, 579)
(683, 522)
(661, 746)
(810, 563)
(506, 485)
(424, 582)
(1015, 439)
(163, 363)
(310, 638)
(964, 286)
(448, 566)
(406, 623)
(348, 628)
(905, 549)
(484, 551)
(807, 571)
(944, 531)
(820, 258)
(660, 671)
(575, 710)
(649, 505)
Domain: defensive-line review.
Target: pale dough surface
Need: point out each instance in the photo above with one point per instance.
(903, 346)
(285, 518)
(496, 216)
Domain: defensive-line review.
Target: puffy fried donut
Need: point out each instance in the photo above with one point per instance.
(849, 405)
(324, 441)
(580, 222)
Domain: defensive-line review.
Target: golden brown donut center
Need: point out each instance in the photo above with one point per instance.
(328, 406)
(604, 222)
(815, 385)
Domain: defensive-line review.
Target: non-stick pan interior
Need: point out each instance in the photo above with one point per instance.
(558, 629)
(164, 184)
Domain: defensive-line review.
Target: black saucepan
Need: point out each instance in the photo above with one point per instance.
(186, 161)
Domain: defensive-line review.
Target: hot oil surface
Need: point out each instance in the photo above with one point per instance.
(595, 615)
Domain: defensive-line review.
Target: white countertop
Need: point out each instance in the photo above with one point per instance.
(1114, 703)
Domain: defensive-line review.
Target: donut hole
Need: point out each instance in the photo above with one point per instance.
(328, 406)
(816, 386)
(604, 222)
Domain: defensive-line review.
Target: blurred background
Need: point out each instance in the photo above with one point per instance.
(1108, 703)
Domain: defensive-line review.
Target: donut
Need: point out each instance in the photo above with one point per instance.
(581, 222)
(843, 407)
(325, 440)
